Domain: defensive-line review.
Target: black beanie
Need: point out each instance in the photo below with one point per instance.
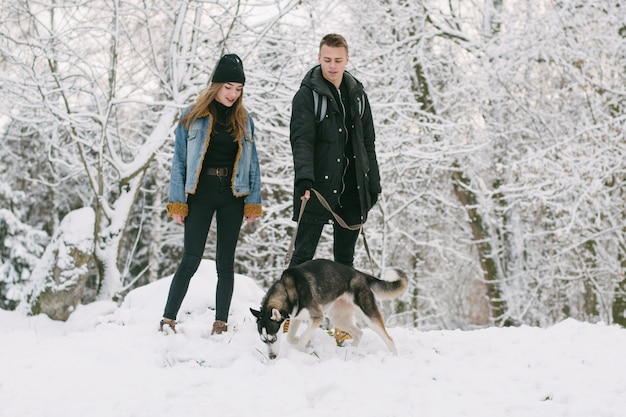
(229, 69)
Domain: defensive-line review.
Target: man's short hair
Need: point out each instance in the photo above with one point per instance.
(334, 40)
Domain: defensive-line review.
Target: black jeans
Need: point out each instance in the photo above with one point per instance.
(344, 240)
(213, 196)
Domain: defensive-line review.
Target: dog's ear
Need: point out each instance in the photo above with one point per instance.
(255, 313)
(276, 315)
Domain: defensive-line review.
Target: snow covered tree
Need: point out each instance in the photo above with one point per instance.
(21, 245)
(102, 84)
(488, 135)
(500, 136)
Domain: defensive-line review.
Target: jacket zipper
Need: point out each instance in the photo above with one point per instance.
(345, 169)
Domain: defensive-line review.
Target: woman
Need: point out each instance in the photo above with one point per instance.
(215, 170)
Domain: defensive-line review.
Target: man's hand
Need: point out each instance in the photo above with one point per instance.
(306, 196)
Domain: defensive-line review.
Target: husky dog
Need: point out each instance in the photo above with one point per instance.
(307, 291)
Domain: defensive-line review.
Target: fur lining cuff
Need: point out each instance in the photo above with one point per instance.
(177, 208)
(252, 210)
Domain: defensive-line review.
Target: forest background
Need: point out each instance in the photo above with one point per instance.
(500, 137)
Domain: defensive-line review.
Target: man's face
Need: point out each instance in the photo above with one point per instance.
(333, 62)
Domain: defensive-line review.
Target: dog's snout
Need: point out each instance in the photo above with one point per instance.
(269, 338)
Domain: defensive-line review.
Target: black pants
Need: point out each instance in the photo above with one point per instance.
(344, 240)
(213, 196)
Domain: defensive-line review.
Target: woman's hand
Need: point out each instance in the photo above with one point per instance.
(178, 218)
(250, 219)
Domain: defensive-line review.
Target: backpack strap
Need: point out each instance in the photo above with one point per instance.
(320, 104)
(361, 103)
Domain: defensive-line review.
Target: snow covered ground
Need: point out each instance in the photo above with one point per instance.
(111, 361)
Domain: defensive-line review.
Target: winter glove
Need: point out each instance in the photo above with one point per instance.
(302, 186)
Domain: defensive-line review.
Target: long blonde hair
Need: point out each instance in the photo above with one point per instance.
(205, 105)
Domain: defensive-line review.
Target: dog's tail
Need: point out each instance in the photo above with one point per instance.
(391, 286)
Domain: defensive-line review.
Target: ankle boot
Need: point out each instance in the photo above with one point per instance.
(341, 336)
(219, 327)
(169, 323)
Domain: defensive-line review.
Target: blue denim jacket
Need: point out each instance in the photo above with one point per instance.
(189, 149)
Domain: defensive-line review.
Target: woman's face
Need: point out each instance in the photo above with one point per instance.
(229, 93)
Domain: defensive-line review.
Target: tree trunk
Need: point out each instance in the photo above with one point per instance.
(483, 247)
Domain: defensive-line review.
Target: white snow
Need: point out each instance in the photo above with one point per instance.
(111, 361)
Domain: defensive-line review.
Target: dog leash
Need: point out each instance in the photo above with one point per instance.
(339, 220)
(293, 236)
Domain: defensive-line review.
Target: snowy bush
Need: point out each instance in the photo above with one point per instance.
(21, 247)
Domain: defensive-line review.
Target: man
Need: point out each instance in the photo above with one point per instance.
(332, 141)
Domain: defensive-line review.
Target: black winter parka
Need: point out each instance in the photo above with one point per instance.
(317, 146)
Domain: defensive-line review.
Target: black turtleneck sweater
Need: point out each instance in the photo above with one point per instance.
(223, 147)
